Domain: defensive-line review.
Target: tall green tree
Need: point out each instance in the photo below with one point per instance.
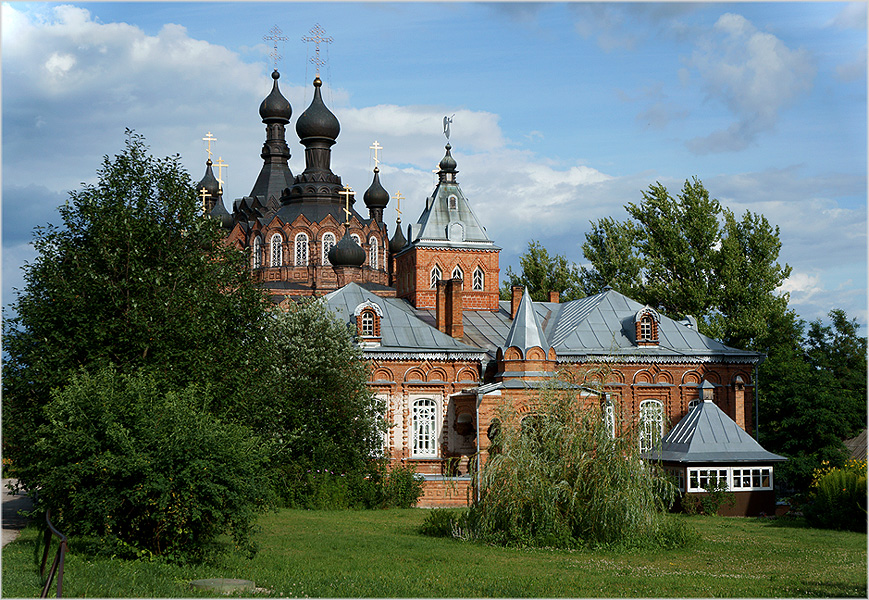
(542, 273)
(610, 247)
(134, 277)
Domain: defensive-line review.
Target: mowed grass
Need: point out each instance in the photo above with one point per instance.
(380, 554)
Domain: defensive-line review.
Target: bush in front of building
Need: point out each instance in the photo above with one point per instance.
(837, 497)
(562, 479)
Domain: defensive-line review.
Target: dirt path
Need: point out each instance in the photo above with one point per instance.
(13, 523)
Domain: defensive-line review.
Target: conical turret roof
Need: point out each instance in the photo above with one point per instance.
(398, 240)
(526, 331)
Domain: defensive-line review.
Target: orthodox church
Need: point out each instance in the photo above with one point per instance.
(445, 351)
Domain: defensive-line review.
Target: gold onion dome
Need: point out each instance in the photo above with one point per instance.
(275, 107)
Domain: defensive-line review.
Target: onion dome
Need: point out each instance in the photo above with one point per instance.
(275, 107)
(209, 182)
(375, 196)
(397, 242)
(317, 120)
(346, 253)
(448, 163)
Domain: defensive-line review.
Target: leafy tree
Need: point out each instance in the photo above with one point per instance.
(134, 277)
(320, 412)
(147, 471)
(542, 273)
(611, 247)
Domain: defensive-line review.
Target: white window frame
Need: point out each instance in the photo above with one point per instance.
(751, 478)
(373, 253)
(699, 479)
(609, 417)
(424, 433)
(366, 325)
(678, 475)
(651, 424)
(435, 276)
(458, 273)
(301, 254)
(356, 239)
(276, 250)
(479, 279)
(327, 242)
(257, 253)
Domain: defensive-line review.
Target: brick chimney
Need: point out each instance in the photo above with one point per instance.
(448, 308)
(553, 297)
(518, 290)
(739, 401)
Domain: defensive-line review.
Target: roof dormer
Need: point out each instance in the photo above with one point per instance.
(647, 320)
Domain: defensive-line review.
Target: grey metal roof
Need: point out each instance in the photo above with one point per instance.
(401, 330)
(707, 435)
(439, 224)
(526, 331)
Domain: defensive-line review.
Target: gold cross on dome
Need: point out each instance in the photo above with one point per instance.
(220, 165)
(318, 37)
(276, 35)
(209, 138)
(203, 193)
(347, 192)
(376, 147)
(398, 198)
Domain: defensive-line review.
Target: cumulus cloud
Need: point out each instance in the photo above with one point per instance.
(754, 74)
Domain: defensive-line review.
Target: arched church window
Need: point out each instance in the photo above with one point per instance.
(301, 250)
(646, 327)
(367, 323)
(651, 424)
(436, 275)
(458, 273)
(372, 252)
(479, 279)
(453, 202)
(356, 239)
(609, 415)
(277, 250)
(328, 243)
(257, 252)
(424, 427)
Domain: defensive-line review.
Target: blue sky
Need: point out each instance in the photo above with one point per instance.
(565, 112)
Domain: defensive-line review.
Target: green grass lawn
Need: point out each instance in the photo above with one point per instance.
(380, 554)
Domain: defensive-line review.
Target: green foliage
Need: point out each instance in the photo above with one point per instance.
(562, 480)
(319, 412)
(147, 471)
(716, 496)
(542, 274)
(134, 277)
(838, 498)
(443, 522)
(675, 256)
(403, 487)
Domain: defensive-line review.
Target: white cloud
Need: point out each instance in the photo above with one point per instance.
(852, 16)
(754, 74)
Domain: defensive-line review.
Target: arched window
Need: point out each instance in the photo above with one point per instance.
(257, 252)
(647, 321)
(646, 327)
(458, 273)
(436, 275)
(366, 327)
(609, 416)
(372, 252)
(479, 279)
(277, 250)
(356, 239)
(424, 427)
(453, 202)
(651, 424)
(328, 242)
(301, 250)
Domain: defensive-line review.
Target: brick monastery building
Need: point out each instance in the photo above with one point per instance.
(445, 352)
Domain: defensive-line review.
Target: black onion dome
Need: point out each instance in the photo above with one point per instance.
(275, 107)
(397, 242)
(375, 196)
(317, 120)
(448, 163)
(209, 182)
(347, 253)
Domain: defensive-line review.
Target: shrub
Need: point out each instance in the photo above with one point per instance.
(403, 487)
(561, 480)
(442, 522)
(147, 471)
(837, 497)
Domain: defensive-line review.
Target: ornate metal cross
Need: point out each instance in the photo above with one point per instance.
(376, 147)
(220, 165)
(203, 193)
(209, 138)
(318, 37)
(347, 192)
(276, 35)
(398, 198)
